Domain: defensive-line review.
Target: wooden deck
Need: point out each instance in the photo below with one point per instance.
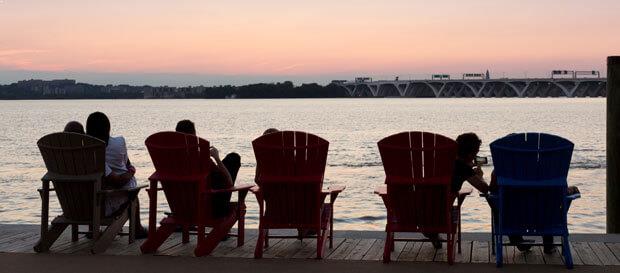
(587, 249)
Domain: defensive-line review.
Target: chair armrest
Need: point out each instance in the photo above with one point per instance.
(461, 196)
(240, 187)
(41, 190)
(333, 192)
(113, 191)
(381, 190)
(573, 196)
(334, 189)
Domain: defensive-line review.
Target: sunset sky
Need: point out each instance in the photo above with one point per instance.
(183, 42)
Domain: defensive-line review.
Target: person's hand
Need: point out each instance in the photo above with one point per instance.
(131, 169)
(215, 153)
(572, 190)
(478, 171)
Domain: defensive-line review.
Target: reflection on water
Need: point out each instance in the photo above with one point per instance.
(353, 127)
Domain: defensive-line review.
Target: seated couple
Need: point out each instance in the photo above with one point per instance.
(119, 173)
(465, 169)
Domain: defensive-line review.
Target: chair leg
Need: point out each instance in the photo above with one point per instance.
(392, 242)
(49, 237)
(106, 238)
(331, 228)
(266, 238)
(241, 228)
(185, 234)
(157, 238)
(215, 236)
(132, 210)
(74, 232)
(568, 258)
(320, 243)
(258, 251)
(498, 251)
(387, 249)
(459, 236)
(450, 244)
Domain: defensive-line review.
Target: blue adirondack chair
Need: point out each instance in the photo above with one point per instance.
(531, 199)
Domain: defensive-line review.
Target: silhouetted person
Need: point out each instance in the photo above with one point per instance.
(465, 169)
(186, 126)
(119, 173)
(270, 130)
(74, 127)
(224, 171)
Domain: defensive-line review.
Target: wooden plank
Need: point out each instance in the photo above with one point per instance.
(122, 247)
(6, 240)
(246, 251)
(410, 251)
(328, 251)
(81, 246)
(534, 256)
(465, 255)
(480, 252)
(172, 241)
(271, 251)
(576, 259)
(520, 257)
(615, 249)
(586, 253)
(554, 257)
(604, 254)
(224, 247)
(22, 243)
(309, 250)
(344, 249)
(508, 257)
(427, 252)
(375, 253)
(360, 249)
(291, 249)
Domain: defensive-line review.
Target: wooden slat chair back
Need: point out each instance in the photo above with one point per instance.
(75, 166)
(532, 170)
(418, 196)
(183, 167)
(418, 168)
(73, 155)
(182, 163)
(290, 169)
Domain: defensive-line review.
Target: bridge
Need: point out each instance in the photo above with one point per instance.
(478, 88)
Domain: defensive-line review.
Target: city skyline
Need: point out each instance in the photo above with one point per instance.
(238, 42)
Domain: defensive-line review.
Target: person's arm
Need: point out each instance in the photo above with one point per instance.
(117, 180)
(221, 167)
(477, 181)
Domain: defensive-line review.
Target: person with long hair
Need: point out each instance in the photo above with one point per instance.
(119, 173)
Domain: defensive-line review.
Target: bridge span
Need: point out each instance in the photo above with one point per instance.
(479, 88)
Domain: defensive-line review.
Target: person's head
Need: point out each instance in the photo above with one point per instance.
(98, 126)
(468, 146)
(270, 131)
(74, 127)
(186, 126)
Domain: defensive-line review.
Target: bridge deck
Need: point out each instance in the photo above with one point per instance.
(587, 249)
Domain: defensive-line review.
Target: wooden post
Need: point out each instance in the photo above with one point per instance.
(613, 144)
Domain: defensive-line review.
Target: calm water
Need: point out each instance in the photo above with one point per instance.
(353, 127)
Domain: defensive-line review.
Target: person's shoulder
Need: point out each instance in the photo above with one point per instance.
(116, 141)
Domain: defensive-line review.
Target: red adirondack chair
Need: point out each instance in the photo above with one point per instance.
(418, 197)
(182, 166)
(290, 167)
